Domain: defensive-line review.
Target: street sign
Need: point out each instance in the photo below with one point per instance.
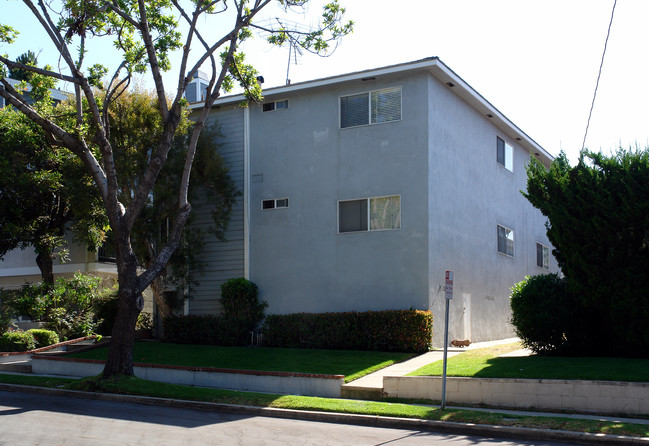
(448, 286)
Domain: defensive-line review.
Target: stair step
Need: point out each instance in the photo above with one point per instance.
(361, 393)
(20, 367)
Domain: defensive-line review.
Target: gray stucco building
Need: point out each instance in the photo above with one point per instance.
(359, 191)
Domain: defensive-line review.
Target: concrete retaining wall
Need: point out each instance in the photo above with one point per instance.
(250, 380)
(582, 396)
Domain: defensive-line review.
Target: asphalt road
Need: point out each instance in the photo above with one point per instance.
(33, 419)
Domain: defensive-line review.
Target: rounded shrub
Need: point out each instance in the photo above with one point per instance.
(17, 341)
(240, 301)
(43, 337)
(544, 314)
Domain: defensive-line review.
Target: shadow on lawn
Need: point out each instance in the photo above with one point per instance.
(554, 367)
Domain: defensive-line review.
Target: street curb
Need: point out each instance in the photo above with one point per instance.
(361, 420)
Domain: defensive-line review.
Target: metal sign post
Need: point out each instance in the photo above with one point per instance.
(448, 293)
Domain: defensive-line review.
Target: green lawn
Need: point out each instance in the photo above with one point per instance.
(352, 364)
(485, 363)
(135, 386)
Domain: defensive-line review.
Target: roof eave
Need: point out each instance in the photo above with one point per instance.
(440, 71)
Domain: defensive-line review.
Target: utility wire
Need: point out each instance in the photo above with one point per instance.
(608, 33)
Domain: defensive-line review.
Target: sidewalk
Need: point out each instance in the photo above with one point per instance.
(374, 381)
(371, 386)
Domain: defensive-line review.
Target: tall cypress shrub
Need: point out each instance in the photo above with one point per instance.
(598, 223)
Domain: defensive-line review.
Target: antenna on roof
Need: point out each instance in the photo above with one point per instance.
(294, 50)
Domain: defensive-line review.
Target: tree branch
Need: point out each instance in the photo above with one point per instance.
(32, 69)
(153, 61)
(157, 266)
(77, 146)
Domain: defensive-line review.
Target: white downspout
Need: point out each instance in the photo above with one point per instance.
(246, 192)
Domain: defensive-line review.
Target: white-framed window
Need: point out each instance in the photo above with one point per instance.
(505, 241)
(274, 203)
(504, 154)
(275, 105)
(369, 214)
(542, 256)
(372, 107)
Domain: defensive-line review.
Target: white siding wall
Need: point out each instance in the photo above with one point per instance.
(223, 260)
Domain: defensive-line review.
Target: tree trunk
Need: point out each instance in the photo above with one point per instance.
(129, 306)
(157, 288)
(45, 264)
(120, 351)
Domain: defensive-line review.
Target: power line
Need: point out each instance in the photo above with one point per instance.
(592, 105)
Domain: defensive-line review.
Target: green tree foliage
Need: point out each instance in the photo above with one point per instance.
(137, 130)
(146, 33)
(44, 191)
(66, 306)
(28, 58)
(598, 223)
(544, 315)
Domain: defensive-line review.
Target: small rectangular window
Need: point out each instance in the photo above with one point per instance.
(352, 215)
(275, 105)
(275, 203)
(354, 110)
(505, 241)
(542, 256)
(374, 107)
(369, 214)
(504, 154)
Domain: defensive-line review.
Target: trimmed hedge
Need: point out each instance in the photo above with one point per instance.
(17, 341)
(43, 337)
(212, 330)
(391, 330)
(547, 317)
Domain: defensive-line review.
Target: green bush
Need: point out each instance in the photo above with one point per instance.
(43, 337)
(66, 307)
(211, 330)
(144, 321)
(71, 325)
(31, 300)
(5, 317)
(391, 330)
(105, 309)
(545, 315)
(17, 341)
(241, 305)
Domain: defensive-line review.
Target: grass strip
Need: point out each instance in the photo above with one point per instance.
(352, 364)
(136, 386)
(486, 363)
(31, 380)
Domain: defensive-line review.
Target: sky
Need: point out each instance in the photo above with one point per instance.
(536, 61)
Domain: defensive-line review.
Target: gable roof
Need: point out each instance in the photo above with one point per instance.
(56, 94)
(438, 70)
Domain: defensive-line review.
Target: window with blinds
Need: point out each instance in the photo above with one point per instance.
(373, 107)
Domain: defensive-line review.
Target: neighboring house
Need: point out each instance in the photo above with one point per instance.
(361, 190)
(57, 95)
(19, 266)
